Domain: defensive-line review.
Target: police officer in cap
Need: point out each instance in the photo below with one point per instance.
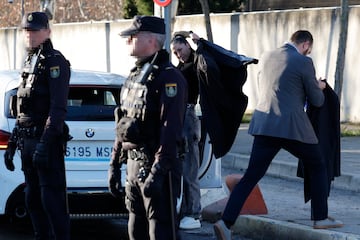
(39, 130)
(149, 133)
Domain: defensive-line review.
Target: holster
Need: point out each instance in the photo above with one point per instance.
(142, 156)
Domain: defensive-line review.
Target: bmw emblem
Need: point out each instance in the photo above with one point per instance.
(90, 132)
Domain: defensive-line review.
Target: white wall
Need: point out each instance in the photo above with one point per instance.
(97, 45)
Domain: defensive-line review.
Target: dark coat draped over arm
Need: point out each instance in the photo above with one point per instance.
(326, 124)
(222, 74)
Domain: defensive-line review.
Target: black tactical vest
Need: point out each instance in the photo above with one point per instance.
(134, 92)
(33, 85)
(133, 104)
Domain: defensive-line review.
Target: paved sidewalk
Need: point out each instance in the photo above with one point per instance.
(288, 216)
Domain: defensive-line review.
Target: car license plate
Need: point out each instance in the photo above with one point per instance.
(88, 151)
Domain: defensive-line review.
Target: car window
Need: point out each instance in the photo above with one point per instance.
(92, 103)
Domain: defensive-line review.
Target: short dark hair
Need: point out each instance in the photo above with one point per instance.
(301, 36)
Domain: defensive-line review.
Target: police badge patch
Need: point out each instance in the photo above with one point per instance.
(171, 89)
(30, 18)
(55, 72)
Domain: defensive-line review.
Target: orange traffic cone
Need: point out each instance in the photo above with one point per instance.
(254, 204)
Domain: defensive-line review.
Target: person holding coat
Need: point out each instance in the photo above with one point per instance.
(286, 81)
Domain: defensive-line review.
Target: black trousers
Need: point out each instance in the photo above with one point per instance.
(263, 152)
(45, 192)
(151, 218)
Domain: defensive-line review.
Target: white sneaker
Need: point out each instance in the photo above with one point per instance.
(328, 223)
(189, 223)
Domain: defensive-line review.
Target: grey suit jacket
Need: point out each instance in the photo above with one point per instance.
(285, 82)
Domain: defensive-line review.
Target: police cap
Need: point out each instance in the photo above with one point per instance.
(145, 23)
(35, 21)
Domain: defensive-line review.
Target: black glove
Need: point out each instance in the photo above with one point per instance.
(41, 155)
(118, 157)
(115, 187)
(153, 185)
(9, 155)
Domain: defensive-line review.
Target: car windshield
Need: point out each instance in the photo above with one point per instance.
(92, 103)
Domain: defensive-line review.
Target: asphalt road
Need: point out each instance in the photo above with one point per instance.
(279, 195)
(80, 229)
(97, 229)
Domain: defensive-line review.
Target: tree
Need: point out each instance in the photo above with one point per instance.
(66, 11)
(206, 11)
(340, 61)
(138, 7)
(130, 8)
(145, 7)
(217, 6)
(186, 7)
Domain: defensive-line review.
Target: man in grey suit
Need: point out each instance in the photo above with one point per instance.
(286, 81)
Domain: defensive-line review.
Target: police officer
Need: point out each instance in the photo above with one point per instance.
(39, 130)
(149, 133)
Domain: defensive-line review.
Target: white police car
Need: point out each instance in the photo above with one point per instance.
(92, 99)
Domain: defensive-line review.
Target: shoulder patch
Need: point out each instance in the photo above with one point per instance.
(55, 72)
(171, 89)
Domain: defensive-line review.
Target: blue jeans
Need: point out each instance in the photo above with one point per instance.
(191, 206)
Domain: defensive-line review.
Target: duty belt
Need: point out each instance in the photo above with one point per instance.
(30, 132)
(136, 154)
(143, 161)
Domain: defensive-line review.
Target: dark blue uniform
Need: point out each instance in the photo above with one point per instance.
(149, 133)
(41, 109)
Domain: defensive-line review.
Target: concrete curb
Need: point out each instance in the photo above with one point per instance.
(257, 227)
